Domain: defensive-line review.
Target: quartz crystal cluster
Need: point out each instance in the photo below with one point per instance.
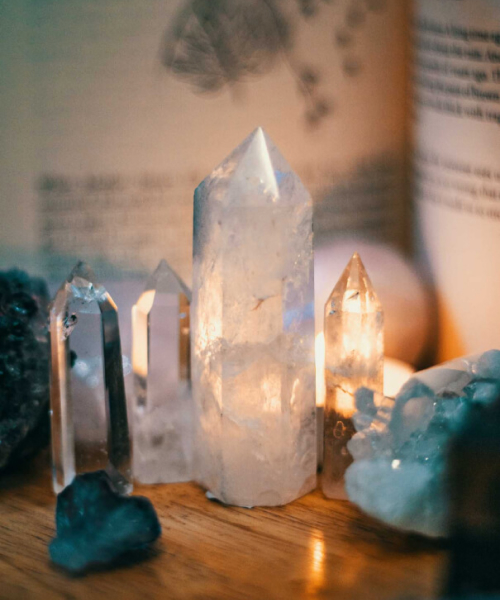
(399, 472)
(253, 329)
(87, 392)
(354, 358)
(163, 415)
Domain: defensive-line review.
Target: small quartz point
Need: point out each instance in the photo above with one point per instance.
(354, 358)
(253, 329)
(163, 411)
(88, 406)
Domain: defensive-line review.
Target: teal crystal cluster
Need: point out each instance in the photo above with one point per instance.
(399, 474)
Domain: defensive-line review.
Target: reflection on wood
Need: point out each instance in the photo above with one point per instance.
(312, 548)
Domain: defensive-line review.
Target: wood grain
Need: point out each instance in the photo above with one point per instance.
(312, 548)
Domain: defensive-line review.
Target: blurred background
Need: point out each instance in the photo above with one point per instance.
(113, 112)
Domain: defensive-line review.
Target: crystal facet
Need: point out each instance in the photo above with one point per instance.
(163, 423)
(88, 405)
(253, 329)
(354, 358)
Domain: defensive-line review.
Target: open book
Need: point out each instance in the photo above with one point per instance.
(114, 112)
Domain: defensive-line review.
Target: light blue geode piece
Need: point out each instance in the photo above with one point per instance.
(399, 469)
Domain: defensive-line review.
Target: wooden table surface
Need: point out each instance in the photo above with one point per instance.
(312, 548)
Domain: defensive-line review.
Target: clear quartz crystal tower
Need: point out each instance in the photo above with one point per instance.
(253, 329)
(354, 358)
(88, 406)
(163, 413)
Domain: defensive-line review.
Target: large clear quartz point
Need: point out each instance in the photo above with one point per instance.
(88, 405)
(163, 412)
(253, 329)
(354, 358)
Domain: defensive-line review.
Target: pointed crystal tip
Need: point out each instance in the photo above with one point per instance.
(83, 284)
(354, 292)
(164, 279)
(83, 271)
(256, 165)
(256, 162)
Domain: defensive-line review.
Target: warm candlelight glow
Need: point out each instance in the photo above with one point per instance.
(140, 314)
(317, 562)
(396, 373)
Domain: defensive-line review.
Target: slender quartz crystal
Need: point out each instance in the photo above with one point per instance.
(253, 329)
(354, 358)
(163, 422)
(88, 405)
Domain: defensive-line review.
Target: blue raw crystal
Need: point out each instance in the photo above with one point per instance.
(366, 409)
(399, 473)
(365, 403)
(413, 410)
(488, 365)
(483, 391)
(96, 525)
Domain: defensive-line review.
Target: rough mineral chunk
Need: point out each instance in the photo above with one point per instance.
(399, 474)
(24, 366)
(96, 525)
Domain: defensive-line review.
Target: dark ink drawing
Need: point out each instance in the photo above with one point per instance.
(216, 44)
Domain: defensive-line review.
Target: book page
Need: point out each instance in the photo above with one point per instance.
(114, 111)
(457, 167)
